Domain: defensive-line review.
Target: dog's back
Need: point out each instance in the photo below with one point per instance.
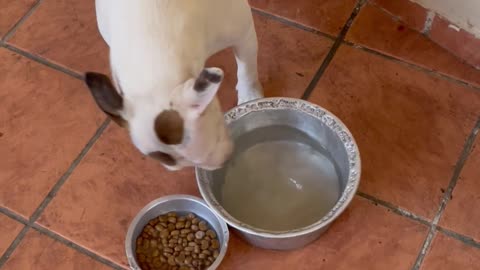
(172, 19)
(161, 31)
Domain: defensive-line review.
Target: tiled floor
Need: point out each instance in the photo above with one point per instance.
(75, 181)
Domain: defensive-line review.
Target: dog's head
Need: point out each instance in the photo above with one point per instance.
(184, 128)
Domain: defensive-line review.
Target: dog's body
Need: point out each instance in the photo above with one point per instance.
(163, 94)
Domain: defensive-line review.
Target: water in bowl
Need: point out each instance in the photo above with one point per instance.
(282, 182)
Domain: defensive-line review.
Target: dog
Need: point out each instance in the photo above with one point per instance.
(160, 90)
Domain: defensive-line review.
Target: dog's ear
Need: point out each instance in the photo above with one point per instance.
(203, 90)
(106, 96)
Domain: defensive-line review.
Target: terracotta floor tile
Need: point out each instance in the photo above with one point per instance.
(461, 43)
(375, 29)
(327, 16)
(461, 214)
(411, 13)
(9, 229)
(39, 252)
(450, 254)
(410, 126)
(65, 31)
(365, 237)
(11, 12)
(284, 70)
(46, 118)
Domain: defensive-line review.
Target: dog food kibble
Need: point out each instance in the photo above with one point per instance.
(174, 242)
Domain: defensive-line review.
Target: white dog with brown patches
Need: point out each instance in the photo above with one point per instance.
(161, 91)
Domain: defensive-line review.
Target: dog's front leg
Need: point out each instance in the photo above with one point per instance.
(102, 11)
(248, 85)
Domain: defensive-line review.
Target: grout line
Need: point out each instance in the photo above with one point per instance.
(448, 193)
(428, 22)
(42, 60)
(36, 214)
(395, 17)
(12, 30)
(395, 209)
(6, 255)
(467, 149)
(462, 238)
(53, 192)
(425, 248)
(333, 50)
(76, 247)
(291, 23)
(13, 216)
(414, 66)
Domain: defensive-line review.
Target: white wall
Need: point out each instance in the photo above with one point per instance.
(463, 13)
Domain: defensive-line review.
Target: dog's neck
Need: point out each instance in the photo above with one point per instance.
(144, 71)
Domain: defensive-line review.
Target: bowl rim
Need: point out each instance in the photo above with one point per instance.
(129, 249)
(318, 112)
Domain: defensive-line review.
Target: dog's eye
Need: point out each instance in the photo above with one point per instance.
(163, 157)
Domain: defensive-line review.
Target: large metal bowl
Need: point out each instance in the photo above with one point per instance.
(175, 203)
(321, 127)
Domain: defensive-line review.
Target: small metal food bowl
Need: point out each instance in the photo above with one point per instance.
(179, 204)
(284, 120)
